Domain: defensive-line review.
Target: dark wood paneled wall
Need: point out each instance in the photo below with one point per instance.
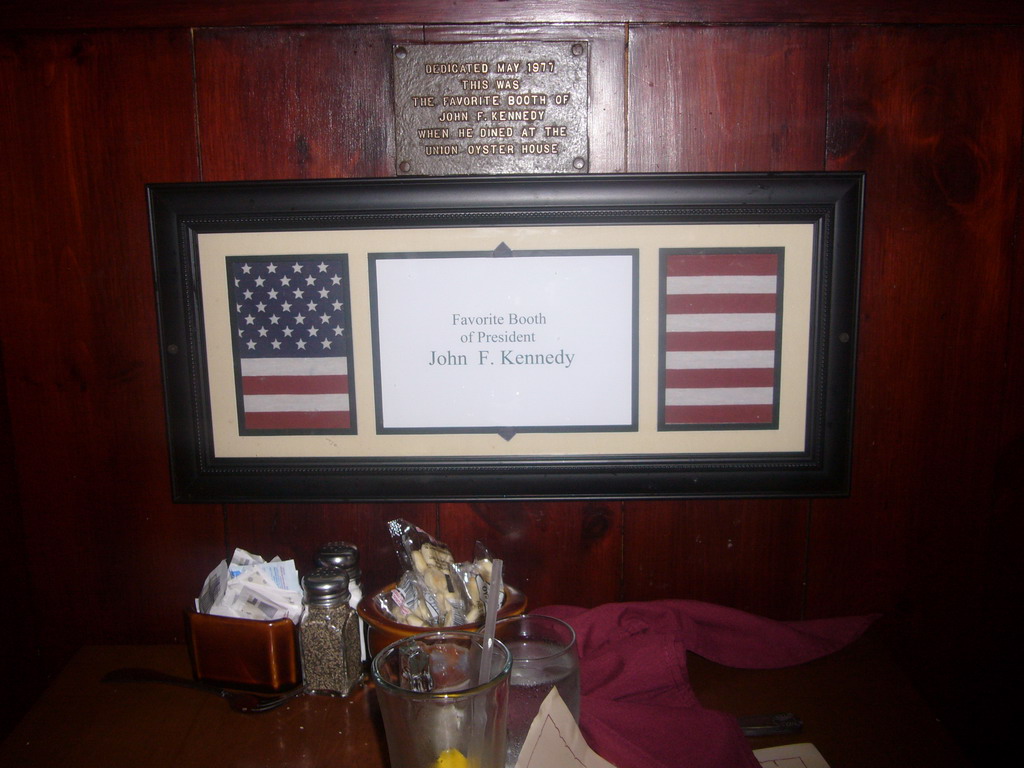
(103, 98)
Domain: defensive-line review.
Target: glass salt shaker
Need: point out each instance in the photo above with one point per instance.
(345, 557)
(329, 635)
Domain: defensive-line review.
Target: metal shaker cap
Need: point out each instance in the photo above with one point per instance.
(326, 586)
(342, 555)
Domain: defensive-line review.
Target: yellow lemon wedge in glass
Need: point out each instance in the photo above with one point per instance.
(451, 758)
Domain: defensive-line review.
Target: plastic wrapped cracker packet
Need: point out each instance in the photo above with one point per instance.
(431, 563)
(433, 587)
(476, 578)
(418, 607)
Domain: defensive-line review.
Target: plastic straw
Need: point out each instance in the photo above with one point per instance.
(479, 718)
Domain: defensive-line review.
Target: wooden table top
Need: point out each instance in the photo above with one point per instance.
(857, 708)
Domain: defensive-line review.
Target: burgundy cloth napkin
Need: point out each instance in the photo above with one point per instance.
(637, 709)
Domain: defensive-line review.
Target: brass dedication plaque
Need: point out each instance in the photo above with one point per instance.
(491, 107)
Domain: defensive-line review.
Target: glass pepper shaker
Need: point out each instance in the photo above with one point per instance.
(345, 557)
(329, 635)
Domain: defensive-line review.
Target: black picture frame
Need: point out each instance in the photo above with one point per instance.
(806, 227)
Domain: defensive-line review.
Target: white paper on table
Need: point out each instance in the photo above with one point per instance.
(803, 755)
(555, 741)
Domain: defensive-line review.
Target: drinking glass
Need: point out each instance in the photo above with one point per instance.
(543, 657)
(461, 720)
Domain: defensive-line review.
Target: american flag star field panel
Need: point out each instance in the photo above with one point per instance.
(291, 347)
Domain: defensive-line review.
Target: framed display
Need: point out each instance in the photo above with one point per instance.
(509, 337)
